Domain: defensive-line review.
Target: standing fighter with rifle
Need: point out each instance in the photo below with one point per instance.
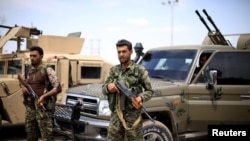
(39, 90)
(127, 87)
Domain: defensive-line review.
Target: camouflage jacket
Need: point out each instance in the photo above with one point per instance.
(135, 78)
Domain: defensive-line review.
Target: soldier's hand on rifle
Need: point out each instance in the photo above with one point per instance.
(137, 102)
(25, 90)
(112, 88)
(40, 101)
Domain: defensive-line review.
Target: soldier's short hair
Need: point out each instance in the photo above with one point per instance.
(37, 48)
(124, 42)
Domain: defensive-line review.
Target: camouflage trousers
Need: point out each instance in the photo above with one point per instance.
(36, 124)
(118, 133)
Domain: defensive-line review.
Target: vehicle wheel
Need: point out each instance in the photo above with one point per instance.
(156, 131)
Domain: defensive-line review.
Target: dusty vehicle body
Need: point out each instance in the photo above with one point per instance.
(60, 52)
(183, 104)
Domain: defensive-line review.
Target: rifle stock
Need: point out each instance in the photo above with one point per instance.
(132, 97)
(32, 93)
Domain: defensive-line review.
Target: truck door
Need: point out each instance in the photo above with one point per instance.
(228, 100)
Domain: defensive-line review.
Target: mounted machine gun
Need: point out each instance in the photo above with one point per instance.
(18, 34)
(215, 36)
(33, 31)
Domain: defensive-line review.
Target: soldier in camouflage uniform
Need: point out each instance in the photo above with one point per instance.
(126, 120)
(44, 82)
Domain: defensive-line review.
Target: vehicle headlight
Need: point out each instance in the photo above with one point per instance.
(104, 108)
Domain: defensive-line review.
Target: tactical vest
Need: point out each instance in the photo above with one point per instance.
(38, 80)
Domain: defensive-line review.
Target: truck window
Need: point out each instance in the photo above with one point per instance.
(169, 64)
(90, 72)
(14, 66)
(233, 68)
(2, 63)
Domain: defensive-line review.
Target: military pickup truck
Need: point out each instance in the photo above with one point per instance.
(184, 102)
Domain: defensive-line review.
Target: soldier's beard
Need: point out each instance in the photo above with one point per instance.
(35, 63)
(124, 60)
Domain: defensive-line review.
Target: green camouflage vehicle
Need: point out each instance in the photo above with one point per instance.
(184, 104)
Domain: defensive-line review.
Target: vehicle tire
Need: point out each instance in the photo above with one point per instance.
(156, 131)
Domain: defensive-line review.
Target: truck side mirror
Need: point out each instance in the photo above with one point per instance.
(213, 79)
(213, 76)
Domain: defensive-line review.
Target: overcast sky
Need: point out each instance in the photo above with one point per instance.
(104, 22)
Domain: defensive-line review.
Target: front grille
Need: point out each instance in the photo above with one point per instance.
(65, 117)
(89, 104)
(63, 112)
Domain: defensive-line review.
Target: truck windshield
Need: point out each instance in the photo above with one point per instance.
(168, 64)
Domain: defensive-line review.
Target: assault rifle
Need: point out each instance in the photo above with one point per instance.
(124, 90)
(32, 93)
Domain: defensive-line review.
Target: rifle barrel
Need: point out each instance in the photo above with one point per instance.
(145, 112)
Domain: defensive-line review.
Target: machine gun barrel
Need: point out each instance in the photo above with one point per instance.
(220, 39)
(5, 26)
(210, 20)
(131, 96)
(203, 21)
(32, 93)
(216, 37)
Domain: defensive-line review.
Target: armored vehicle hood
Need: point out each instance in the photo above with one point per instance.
(96, 89)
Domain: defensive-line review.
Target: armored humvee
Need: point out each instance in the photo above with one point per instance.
(61, 52)
(184, 103)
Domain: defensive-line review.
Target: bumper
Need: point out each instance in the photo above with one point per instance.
(85, 128)
(69, 123)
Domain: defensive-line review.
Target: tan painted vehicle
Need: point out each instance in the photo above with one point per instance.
(184, 103)
(61, 52)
